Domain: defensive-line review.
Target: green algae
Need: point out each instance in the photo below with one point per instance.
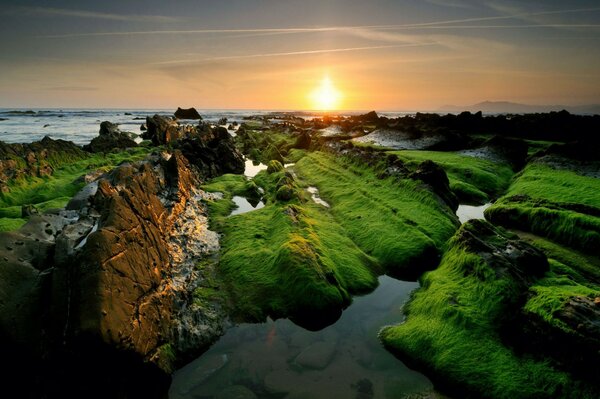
(558, 204)
(453, 330)
(473, 180)
(398, 222)
(56, 190)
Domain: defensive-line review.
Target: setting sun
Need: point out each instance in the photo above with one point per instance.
(325, 97)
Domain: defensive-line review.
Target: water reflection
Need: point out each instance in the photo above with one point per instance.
(468, 212)
(245, 205)
(253, 167)
(280, 359)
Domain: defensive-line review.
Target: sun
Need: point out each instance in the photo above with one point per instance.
(325, 97)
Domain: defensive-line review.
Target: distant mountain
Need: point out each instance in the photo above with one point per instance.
(505, 107)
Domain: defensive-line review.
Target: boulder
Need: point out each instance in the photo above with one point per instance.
(164, 130)
(212, 151)
(187, 113)
(434, 175)
(111, 138)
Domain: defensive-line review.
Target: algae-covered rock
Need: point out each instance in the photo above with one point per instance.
(463, 321)
(274, 166)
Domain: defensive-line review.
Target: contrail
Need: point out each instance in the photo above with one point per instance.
(289, 53)
(434, 25)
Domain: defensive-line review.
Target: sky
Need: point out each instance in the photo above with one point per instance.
(402, 55)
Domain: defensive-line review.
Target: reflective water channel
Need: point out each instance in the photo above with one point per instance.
(279, 359)
(468, 212)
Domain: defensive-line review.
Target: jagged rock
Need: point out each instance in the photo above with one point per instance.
(164, 130)
(213, 152)
(108, 284)
(187, 113)
(110, 138)
(119, 280)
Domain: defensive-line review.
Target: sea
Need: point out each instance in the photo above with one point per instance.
(82, 125)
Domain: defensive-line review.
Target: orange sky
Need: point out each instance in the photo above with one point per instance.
(385, 55)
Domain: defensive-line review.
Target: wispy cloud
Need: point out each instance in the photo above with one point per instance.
(71, 88)
(64, 12)
(293, 53)
(445, 24)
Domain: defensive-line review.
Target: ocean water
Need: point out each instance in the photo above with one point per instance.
(82, 125)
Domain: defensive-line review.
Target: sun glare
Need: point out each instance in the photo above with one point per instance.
(325, 97)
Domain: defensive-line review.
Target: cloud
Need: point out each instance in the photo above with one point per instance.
(71, 88)
(443, 24)
(64, 12)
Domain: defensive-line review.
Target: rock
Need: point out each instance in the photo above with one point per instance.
(187, 113)
(33, 160)
(164, 130)
(316, 356)
(274, 166)
(110, 138)
(143, 127)
(434, 175)
(213, 152)
(28, 210)
(506, 255)
(303, 141)
(236, 392)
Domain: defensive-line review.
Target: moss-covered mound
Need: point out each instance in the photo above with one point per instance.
(473, 180)
(555, 203)
(470, 324)
(399, 221)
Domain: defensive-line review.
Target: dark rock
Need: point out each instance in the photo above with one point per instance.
(164, 130)
(212, 151)
(110, 138)
(434, 175)
(143, 127)
(303, 141)
(512, 150)
(28, 210)
(187, 113)
(505, 254)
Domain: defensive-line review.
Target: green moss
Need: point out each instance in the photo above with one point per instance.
(274, 166)
(287, 260)
(550, 294)
(294, 155)
(557, 204)
(452, 330)
(56, 190)
(9, 224)
(398, 222)
(473, 180)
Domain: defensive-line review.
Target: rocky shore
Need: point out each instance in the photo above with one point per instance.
(122, 261)
(116, 270)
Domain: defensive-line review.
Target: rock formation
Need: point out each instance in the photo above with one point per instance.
(35, 159)
(187, 113)
(110, 138)
(112, 277)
